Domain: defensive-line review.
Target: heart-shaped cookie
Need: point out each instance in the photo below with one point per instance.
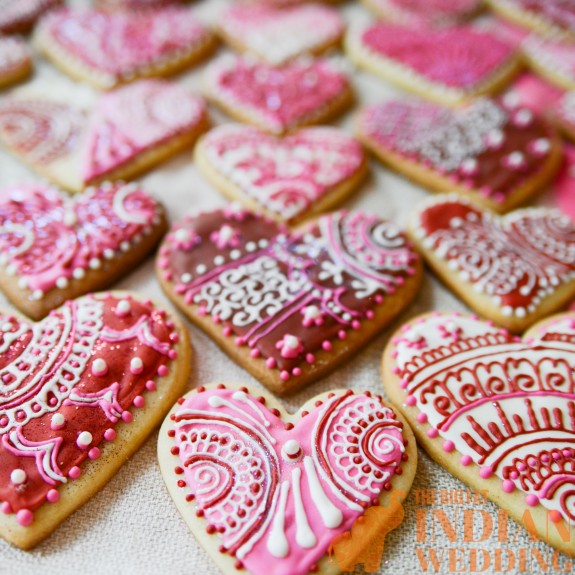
(18, 16)
(129, 131)
(447, 65)
(15, 61)
(289, 307)
(278, 99)
(110, 48)
(54, 248)
(547, 17)
(80, 392)
(497, 411)
(514, 269)
(281, 34)
(425, 12)
(289, 178)
(553, 59)
(497, 153)
(267, 491)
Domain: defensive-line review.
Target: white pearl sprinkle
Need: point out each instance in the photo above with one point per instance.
(18, 476)
(99, 367)
(136, 365)
(79, 273)
(95, 263)
(84, 439)
(186, 278)
(123, 308)
(62, 282)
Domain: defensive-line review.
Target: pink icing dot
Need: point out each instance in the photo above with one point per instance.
(508, 486)
(355, 324)
(284, 375)
(127, 417)
(255, 353)
(162, 371)
(341, 334)
(6, 508)
(486, 472)
(151, 385)
(532, 500)
(448, 446)
(421, 417)
(404, 383)
(296, 371)
(432, 433)
(173, 354)
(25, 517)
(75, 472)
(109, 434)
(466, 460)
(270, 362)
(326, 345)
(310, 358)
(52, 496)
(139, 401)
(94, 453)
(411, 401)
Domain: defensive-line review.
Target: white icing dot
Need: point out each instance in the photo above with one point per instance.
(291, 342)
(182, 236)
(541, 145)
(515, 159)
(523, 117)
(84, 439)
(291, 447)
(6, 326)
(11, 270)
(37, 294)
(186, 278)
(123, 307)
(58, 420)
(456, 222)
(251, 246)
(235, 254)
(125, 246)
(99, 366)
(95, 263)
(201, 269)
(79, 273)
(136, 365)
(18, 476)
(62, 282)
(263, 244)
(109, 254)
(22, 283)
(219, 260)
(311, 312)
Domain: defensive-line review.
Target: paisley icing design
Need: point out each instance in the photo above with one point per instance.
(57, 403)
(116, 47)
(274, 493)
(506, 405)
(278, 35)
(425, 12)
(19, 15)
(280, 98)
(314, 286)
(449, 64)
(494, 148)
(286, 176)
(136, 118)
(41, 131)
(554, 59)
(519, 260)
(48, 239)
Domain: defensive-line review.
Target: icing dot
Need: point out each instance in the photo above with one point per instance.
(508, 486)
(95, 263)
(448, 446)
(123, 308)
(486, 472)
(99, 367)
(139, 401)
(162, 371)
(58, 421)
(532, 500)
(410, 400)
(79, 273)
(52, 496)
(62, 282)
(109, 434)
(466, 460)
(75, 472)
(421, 417)
(291, 450)
(25, 517)
(127, 417)
(136, 366)
(6, 508)
(94, 453)
(84, 439)
(18, 476)
(432, 433)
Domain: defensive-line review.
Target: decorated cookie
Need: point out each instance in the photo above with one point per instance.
(130, 130)
(447, 65)
(269, 492)
(281, 34)
(495, 410)
(551, 17)
(289, 307)
(110, 48)
(499, 153)
(54, 248)
(514, 269)
(18, 16)
(553, 59)
(81, 391)
(15, 61)
(565, 114)
(425, 12)
(278, 99)
(134, 4)
(289, 178)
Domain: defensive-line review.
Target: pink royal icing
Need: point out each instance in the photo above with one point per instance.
(304, 484)
(459, 57)
(119, 45)
(284, 175)
(279, 97)
(48, 239)
(504, 404)
(281, 34)
(135, 118)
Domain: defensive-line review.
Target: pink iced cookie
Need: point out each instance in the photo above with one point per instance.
(534, 93)
(55, 247)
(552, 59)
(271, 492)
(564, 185)
(278, 99)
(290, 178)
(278, 35)
(425, 12)
(496, 411)
(448, 65)
(15, 61)
(18, 16)
(110, 48)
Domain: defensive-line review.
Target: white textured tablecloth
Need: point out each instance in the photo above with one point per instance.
(132, 526)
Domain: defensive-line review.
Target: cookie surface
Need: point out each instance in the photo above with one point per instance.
(107, 48)
(15, 61)
(288, 307)
(281, 98)
(281, 34)
(129, 131)
(425, 12)
(553, 59)
(495, 152)
(564, 112)
(515, 269)
(302, 490)
(18, 16)
(83, 389)
(289, 178)
(494, 410)
(446, 65)
(56, 248)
